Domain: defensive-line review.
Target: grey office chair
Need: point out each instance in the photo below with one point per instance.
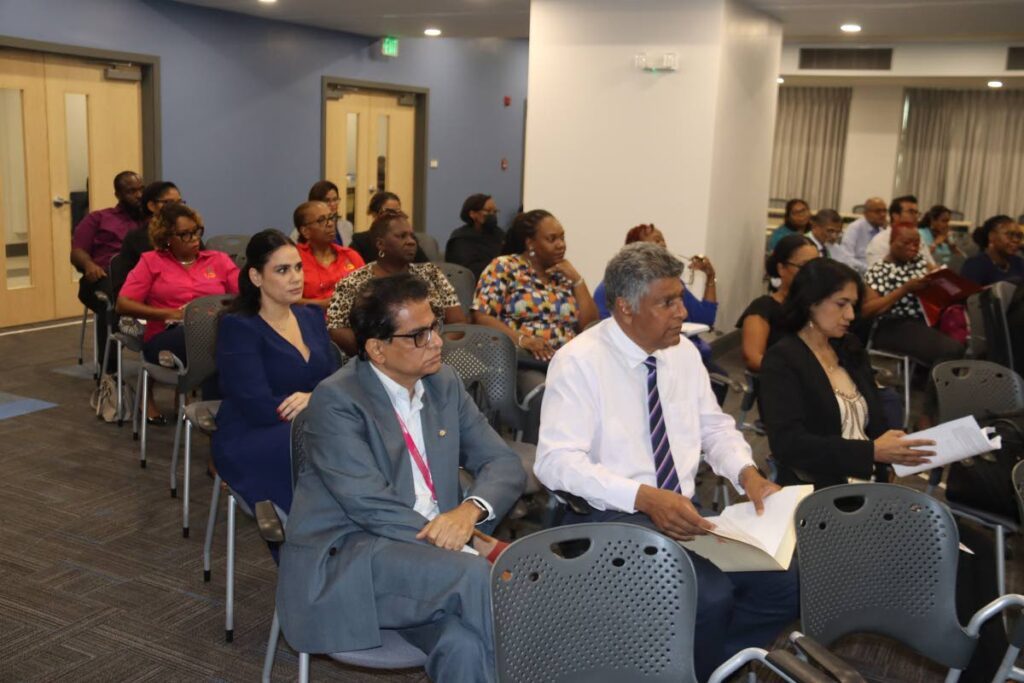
(905, 366)
(882, 559)
(462, 281)
(985, 390)
(623, 610)
(394, 653)
(200, 335)
(429, 246)
(118, 335)
(232, 245)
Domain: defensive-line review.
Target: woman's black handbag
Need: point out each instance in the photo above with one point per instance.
(983, 482)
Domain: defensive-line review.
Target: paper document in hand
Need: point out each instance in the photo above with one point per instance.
(744, 541)
(954, 440)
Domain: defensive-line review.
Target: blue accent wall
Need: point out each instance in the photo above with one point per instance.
(240, 103)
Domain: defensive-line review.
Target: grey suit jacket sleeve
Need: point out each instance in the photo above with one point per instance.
(356, 480)
(498, 474)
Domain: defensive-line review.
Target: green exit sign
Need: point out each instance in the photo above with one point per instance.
(389, 46)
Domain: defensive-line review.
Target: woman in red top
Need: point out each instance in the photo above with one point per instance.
(324, 262)
(174, 274)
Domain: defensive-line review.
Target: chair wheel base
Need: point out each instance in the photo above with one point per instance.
(184, 532)
(229, 635)
(174, 493)
(206, 576)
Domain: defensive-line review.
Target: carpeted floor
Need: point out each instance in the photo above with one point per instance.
(96, 582)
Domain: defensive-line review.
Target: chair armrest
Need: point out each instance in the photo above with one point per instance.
(575, 503)
(993, 608)
(271, 528)
(793, 668)
(169, 360)
(819, 655)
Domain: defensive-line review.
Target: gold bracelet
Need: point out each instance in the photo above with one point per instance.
(519, 342)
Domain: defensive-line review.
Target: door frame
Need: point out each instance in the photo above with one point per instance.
(419, 154)
(152, 159)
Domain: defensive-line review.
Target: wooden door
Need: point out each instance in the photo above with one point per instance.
(369, 147)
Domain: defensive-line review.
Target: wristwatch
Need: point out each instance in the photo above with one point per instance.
(483, 508)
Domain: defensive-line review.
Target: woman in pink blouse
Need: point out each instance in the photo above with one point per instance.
(175, 273)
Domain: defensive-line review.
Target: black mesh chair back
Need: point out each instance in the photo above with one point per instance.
(117, 271)
(1018, 488)
(339, 356)
(462, 281)
(201, 317)
(623, 610)
(976, 387)
(298, 444)
(881, 558)
(1000, 348)
(232, 245)
(487, 358)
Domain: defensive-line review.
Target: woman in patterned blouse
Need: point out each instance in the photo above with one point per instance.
(396, 248)
(532, 293)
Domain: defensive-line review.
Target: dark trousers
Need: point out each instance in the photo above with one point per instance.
(735, 610)
(913, 337)
(87, 295)
(440, 601)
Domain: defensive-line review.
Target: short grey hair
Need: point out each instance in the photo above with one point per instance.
(630, 272)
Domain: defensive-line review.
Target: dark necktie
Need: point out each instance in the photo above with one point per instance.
(663, 464)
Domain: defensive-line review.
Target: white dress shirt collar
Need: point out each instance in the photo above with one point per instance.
(398, 394)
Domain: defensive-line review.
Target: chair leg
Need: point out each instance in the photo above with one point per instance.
(81, 335)
(177, 443)
(106, 352)
(1001, 559)
(229, 588)
(141, 415)
(211, 524)
(906, 392)
(135, 406)
(120, 382)
(268, 658)
(186, 478)
(96, 372)
(303, 667)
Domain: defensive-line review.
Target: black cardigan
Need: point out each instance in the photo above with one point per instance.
(801, 413)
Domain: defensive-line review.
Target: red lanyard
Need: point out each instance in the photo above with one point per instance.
(417, 458)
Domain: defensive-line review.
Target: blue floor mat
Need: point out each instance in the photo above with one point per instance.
(12, 405)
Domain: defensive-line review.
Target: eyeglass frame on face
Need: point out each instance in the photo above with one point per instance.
(179, 200)
(190, 235)
(426, 334)
(320, 222)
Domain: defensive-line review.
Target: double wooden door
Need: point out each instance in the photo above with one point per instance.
(67, 127)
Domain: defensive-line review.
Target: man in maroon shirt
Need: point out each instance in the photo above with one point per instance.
(97, 238)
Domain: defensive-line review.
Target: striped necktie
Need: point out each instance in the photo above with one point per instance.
(663, 463)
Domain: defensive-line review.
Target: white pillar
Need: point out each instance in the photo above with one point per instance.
(609, 146)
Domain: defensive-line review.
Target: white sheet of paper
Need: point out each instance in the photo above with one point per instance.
(693, 329)
(954, 440)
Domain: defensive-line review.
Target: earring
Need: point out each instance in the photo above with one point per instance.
(380, 254)
(533, 252)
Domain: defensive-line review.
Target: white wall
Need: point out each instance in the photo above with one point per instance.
(609, 146)
(872, 142)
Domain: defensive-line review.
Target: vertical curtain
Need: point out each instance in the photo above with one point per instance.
(810, 142)
(964, 149)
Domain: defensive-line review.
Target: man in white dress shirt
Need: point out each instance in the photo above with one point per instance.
(627, 412)
(902, 211)
(860, 232)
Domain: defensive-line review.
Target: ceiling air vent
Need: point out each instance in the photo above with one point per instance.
(858, 59)
(1015, 59)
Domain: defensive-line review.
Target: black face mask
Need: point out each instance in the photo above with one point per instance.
(491, 222)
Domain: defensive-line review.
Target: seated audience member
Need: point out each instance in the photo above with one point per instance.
(166, 279)
(826, 231)
(891, 287)
(605, 437)
(378, 526)
(272, 351)
(859, 234)
(324, 261)
(818, 398)
(533, 293)
(327, 192)
(479, 239)
(136, 243)
(999, 239)
(902, 211)
(365, 243)
(797, 221)
(701, 311)
(760, 321)
(395, 249)
(96, 239)
(935, 235)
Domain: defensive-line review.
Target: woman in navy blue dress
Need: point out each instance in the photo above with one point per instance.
(271, 354)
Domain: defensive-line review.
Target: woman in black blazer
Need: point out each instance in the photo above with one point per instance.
(818, 398)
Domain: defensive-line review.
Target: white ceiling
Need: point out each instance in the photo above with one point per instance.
(804, 21)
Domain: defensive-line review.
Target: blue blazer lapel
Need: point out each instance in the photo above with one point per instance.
(396, 455)
(442, 451)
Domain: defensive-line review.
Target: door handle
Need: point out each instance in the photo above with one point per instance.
(59, 201)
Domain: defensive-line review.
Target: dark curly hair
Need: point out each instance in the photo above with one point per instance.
(524, 226)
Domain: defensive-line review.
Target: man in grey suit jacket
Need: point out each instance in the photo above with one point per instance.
(377, 533)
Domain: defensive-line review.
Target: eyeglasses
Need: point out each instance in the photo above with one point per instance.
(161, 202)
(190, 235)
(321, 222)
(1017, 236)
(798, 266)
(422, 336)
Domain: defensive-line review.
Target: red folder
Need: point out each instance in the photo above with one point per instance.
(945, 288)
